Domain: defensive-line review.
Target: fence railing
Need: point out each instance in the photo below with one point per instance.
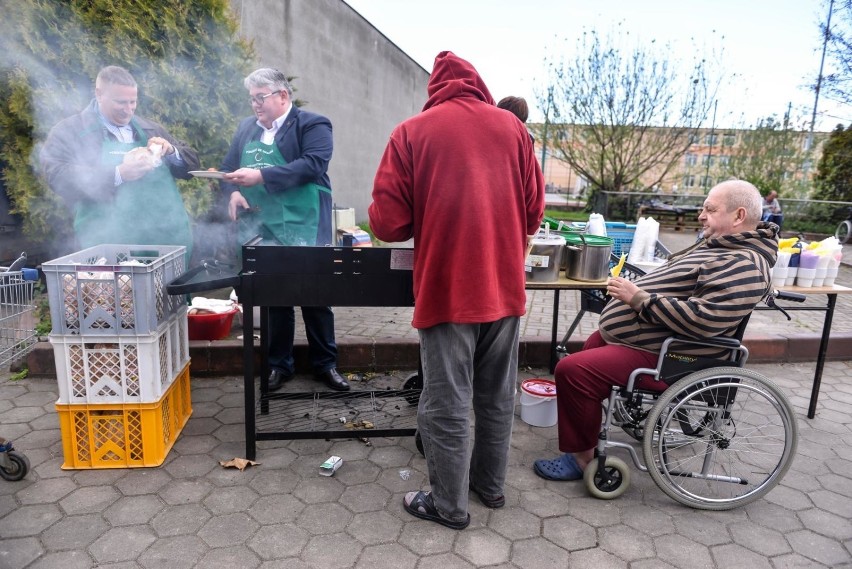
(807, 216)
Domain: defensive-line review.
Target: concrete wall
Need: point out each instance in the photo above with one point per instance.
(346, 70)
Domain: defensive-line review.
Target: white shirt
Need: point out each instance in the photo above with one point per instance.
(122, 133)
(268, 134)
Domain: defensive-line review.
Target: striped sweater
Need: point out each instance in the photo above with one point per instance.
(702, 292)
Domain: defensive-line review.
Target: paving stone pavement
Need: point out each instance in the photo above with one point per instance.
(191, 512)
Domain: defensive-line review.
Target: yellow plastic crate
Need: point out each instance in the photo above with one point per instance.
(129, 435)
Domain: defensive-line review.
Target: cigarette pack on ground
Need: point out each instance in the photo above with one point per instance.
(330, 466)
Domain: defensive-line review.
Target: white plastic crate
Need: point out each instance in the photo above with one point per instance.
(121, 369)
(111, 299)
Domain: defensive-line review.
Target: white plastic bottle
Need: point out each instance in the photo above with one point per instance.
(596, 225)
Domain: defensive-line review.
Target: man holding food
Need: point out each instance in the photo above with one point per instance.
(278, 187)
(116, 170)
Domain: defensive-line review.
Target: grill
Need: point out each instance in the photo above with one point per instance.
(276, 275)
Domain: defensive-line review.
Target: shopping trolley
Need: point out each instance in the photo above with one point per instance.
(17, 339)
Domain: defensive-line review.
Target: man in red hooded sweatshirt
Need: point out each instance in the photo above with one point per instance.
(462, 179)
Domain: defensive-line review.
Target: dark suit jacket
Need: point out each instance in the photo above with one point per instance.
(71, 157)
(305, 142)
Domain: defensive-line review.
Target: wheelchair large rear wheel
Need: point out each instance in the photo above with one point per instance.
(721, 438)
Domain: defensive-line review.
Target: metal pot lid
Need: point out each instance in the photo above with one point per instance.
(551, 239)
(590, 240)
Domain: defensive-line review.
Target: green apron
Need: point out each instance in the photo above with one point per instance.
(291, 217)
(147, 211)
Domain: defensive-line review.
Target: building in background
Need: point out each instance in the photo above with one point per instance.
(712, 157)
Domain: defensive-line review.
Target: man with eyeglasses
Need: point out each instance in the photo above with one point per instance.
(116, 170)
(278, 187)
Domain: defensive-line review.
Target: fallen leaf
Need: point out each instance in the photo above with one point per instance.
(240, 463)
(359, 425)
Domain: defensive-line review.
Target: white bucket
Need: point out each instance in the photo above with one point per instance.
(538, 402)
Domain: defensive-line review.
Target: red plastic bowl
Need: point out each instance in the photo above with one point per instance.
(210, 326)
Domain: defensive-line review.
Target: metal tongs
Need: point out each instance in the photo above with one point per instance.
(216, 266)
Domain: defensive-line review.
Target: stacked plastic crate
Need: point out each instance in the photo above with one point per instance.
(122, 354)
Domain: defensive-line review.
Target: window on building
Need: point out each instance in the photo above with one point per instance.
(724, 159)
(711, 139)
(729, 139)
(690, 159)
(694, 138)
(706, 182)
(689, 181)
(707, 160)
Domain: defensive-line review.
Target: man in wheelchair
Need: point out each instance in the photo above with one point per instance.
(702, 292)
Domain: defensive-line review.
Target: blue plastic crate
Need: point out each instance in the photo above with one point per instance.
(620, 232)
(622, 236)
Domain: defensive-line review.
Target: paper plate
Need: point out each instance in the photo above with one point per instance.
(208, 174)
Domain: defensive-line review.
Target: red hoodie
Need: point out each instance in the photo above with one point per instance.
(462, 179)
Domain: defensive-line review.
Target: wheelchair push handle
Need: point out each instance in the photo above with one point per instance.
(783, 295)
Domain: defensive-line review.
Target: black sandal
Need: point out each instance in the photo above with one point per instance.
(420, 506)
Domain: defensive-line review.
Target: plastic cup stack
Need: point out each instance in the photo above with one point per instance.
(779, 271)
(807, 268)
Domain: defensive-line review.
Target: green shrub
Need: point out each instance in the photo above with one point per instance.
(185, 55)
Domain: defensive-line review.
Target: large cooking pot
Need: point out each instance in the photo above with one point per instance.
(545, 259)
(587, 257)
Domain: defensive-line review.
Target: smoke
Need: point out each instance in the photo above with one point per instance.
(190, 82)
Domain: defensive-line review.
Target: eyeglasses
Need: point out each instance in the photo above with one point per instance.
(259, 99)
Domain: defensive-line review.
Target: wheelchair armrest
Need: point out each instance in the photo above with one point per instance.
(728, 343)
(672, 367)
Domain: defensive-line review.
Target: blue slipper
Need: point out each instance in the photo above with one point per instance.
(563, 468)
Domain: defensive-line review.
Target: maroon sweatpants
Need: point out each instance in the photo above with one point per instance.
(585, 378)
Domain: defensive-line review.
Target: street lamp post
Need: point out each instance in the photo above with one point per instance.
(818, 86)
(546, 122)
(710, 150)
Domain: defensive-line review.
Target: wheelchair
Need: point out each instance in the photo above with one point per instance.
(718, 437)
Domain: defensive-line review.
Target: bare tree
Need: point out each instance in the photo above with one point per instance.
(772, 156)
(622, 118)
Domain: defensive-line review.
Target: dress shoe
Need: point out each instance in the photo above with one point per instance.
(277, 379)
(334, 380)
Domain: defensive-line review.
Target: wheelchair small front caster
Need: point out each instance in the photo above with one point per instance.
(13, 465)
(610, 484)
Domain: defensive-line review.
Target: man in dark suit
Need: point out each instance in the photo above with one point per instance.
(277, 164)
